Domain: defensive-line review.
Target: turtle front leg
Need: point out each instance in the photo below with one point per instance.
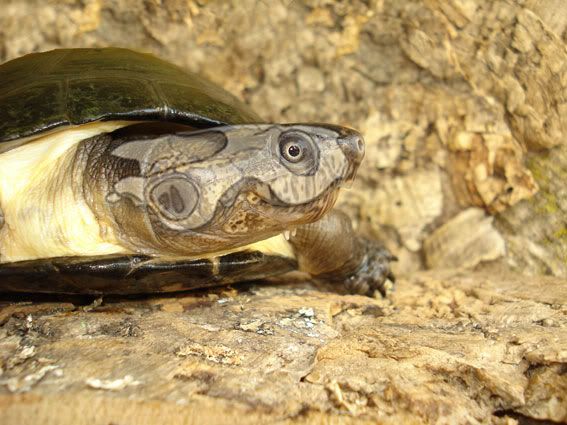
(329, 249)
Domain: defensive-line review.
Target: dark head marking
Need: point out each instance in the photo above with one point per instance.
(174, 197)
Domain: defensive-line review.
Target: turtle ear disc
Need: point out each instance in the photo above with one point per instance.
(174, 197)
(171, 200)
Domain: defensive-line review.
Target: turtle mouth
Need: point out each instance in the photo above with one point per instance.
(273, 208)
(351, 175)
(266, 194)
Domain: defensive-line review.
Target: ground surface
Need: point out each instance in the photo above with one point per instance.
(449, 347)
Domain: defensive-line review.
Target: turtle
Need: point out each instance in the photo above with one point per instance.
(122, 173)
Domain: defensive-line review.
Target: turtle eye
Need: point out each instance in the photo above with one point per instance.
(298, 152)
(292, 150)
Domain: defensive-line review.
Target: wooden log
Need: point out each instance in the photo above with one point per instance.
(448, 347)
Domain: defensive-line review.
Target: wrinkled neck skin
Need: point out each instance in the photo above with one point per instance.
(328, 245)
(190, 194)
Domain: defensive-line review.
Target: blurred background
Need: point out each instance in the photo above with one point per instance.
(462, 103)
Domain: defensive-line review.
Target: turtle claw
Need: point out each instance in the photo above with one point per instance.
(391, 276)
(374, 273)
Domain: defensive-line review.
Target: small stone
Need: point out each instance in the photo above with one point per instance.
(253, 326)
(311, 79)
(306, 312)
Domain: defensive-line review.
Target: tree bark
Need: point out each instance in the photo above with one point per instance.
(448, 347)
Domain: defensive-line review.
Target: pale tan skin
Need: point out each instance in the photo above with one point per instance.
(195, 194)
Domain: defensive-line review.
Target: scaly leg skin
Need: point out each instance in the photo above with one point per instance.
(330, 250)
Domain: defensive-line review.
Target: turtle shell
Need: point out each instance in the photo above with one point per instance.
(138, 274)
(43, 92)
(40, 92)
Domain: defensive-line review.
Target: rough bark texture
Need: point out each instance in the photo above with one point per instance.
(449, 347)
(463, 104)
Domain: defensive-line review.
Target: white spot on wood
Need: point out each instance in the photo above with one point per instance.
(112, 384)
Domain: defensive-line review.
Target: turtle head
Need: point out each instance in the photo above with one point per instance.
(300, 172)
(220, 188)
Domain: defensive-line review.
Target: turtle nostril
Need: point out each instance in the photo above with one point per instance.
(357, 146)
(352, 144)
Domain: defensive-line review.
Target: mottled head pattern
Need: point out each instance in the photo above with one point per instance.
(218, 188)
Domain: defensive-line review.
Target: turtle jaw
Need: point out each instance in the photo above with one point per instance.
(283, 216)
(350, 176)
